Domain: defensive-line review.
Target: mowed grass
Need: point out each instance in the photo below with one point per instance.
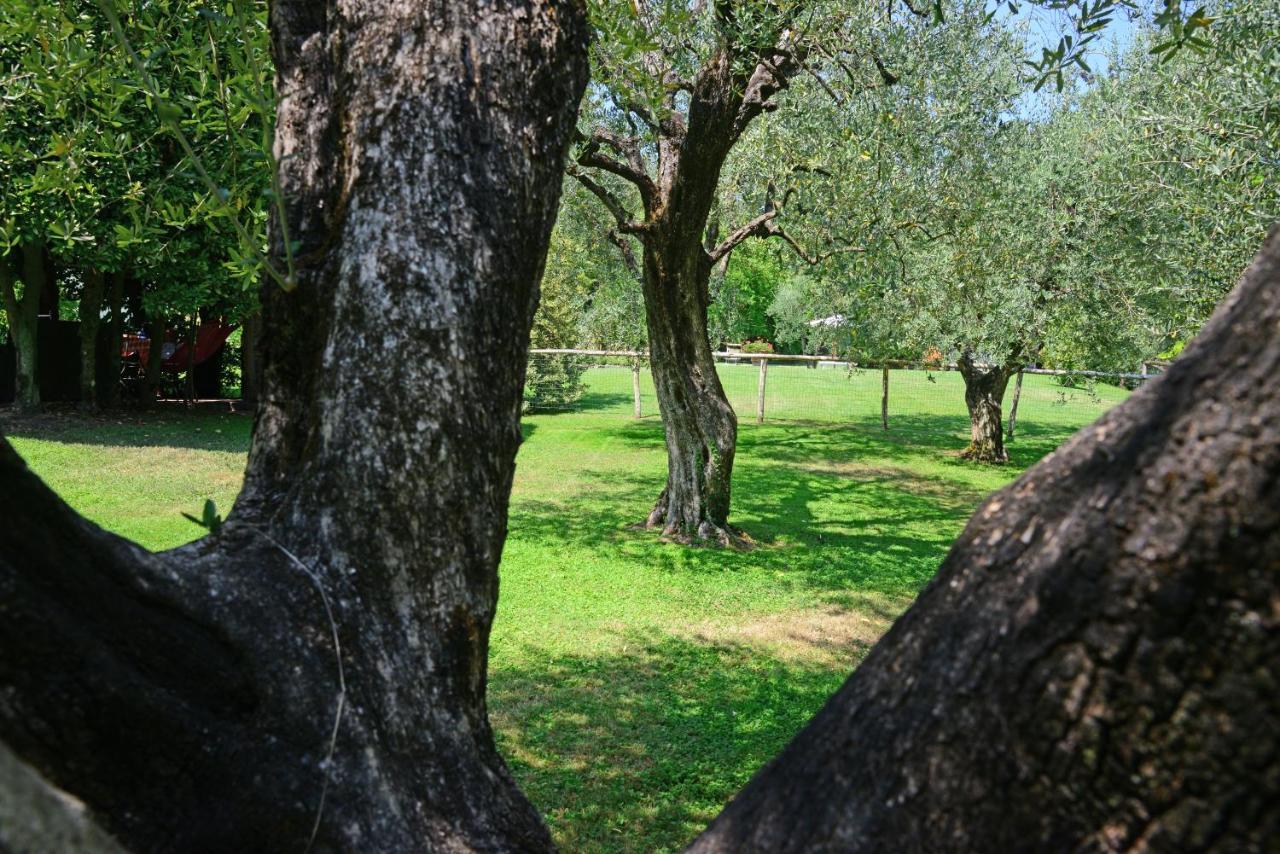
(635, 685)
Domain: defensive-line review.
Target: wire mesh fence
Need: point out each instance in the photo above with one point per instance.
(774, 388)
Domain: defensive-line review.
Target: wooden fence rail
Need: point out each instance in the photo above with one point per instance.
(637, 358)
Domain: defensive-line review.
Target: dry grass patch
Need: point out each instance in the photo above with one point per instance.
(833, 635)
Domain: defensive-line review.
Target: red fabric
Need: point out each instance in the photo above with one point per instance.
(132, 344)
(209, 339)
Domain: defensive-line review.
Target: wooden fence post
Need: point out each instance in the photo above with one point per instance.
(884, 396)
(764, 371)
(635, 385)
(1013, 409)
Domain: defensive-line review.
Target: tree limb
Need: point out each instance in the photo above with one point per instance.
(632, 170)
(624, 249)
(769, 78)
(626, 223)
(775, 230)
(756, 227)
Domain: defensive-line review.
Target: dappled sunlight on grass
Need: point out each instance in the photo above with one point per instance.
(635, 684)
(636, 749)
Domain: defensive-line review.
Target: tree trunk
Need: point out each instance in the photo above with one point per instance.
(984, 387)
(50, 293)
(249, 332)
(313, 674)
(1094, 667)
(1013, 407)
(729, 91)
(90, 320)
(110, 396)
(701, 427)
(156, 330)
(189, 379)
(24, 319)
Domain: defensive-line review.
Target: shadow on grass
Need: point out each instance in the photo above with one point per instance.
(637, 750)
(888, 542)
(204, 427)
(836, 509)
(906, 438)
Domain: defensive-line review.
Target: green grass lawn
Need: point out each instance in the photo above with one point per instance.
(635, 685)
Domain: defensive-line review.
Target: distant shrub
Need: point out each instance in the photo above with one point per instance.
(553, 382)
(757, 347)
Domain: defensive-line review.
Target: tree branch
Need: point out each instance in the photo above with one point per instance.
(769, 78)
(765, 226)
(776, 230)
(758, 227)
(626, 223)
(632, 170)
(624, 249)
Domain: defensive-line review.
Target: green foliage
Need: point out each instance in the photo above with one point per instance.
(1096, 237)
(586, 267)
(741, 297)
(555, 381)
(153, 162)
(757, 347)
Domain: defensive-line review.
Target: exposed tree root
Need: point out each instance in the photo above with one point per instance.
(984, 454)
(703, 532)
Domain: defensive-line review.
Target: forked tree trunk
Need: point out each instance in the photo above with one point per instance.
(313, 675)
(701, 427)
(1094, 667)
(691, 142)
(90, 320)
(984, 387)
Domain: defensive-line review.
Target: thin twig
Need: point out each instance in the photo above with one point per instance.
(342, 680)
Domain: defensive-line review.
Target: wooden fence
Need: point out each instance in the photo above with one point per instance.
(636, 360)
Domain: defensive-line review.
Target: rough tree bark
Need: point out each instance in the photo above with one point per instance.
(316, 669)
(24, 314)
(984, 387)
(91, 293)
(1095, 665)
(730, 90)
